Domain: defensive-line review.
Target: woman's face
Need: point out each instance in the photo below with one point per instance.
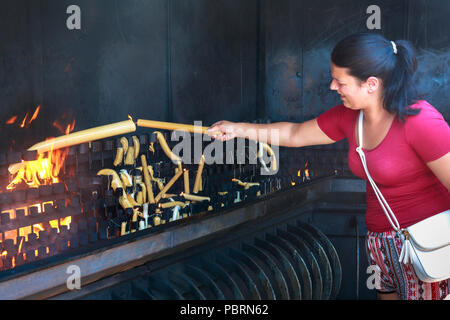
(354, 93)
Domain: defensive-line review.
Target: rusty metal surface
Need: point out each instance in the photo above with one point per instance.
(320, 254)
(270, 268)
(221, 274)
(185, 284)
(246, 275)
(308, 264)
(285, 266)
(146, 246)
(331, 254)
(298, 264)
(205, 281)
(162, 291)
(261, 267)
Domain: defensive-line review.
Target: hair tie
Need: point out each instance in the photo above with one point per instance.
(394, 47)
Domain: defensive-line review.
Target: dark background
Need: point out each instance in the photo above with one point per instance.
(186, 60)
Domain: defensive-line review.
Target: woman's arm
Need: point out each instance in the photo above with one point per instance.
(441, 169)
(287, 134)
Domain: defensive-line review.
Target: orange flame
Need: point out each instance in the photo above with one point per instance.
(70, 127)
(35, 173)
(35, 114)
(38, 227)
(66, 222)
(43, 171)
(24, 121)
(11, 120)
(58, 126)
(306, 170)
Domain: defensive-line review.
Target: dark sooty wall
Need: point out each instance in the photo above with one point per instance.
(186, 60)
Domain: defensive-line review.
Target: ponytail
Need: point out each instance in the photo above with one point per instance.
(395, 63)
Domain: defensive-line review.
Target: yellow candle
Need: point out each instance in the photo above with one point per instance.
(147, 180)
(172, 204)
(168, 185)
(172, 126)
(194, 198)
(198, 177)
(84, 136)
(186, 180)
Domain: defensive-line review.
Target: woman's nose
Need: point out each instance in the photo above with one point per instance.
(333, 85)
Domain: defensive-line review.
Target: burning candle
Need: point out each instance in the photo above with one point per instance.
(84, 136)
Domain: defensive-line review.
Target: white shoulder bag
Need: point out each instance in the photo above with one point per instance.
(426, 244)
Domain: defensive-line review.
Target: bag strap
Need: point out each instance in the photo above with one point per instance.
(384, 205)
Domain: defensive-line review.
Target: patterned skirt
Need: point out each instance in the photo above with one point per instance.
(383, 251)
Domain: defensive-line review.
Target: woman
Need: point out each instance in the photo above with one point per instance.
(406, 142)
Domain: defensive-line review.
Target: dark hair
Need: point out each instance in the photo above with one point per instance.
(370, 54)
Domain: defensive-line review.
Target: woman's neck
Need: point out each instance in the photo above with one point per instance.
(374, 114)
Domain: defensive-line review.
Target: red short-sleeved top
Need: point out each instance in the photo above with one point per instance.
(398, 163)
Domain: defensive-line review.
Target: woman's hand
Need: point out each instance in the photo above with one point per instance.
(286, 134)
(223, 130)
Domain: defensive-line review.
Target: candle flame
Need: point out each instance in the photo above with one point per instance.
(24, 121)
(11, 120)
(35, 114)
(44, 170)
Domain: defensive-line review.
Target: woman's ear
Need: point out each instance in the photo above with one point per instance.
(372, 84)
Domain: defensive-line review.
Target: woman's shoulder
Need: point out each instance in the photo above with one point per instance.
(342, 111)
(336, 122)
(339, 115)
(427, 132)
(427, 111)
(429, 121)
